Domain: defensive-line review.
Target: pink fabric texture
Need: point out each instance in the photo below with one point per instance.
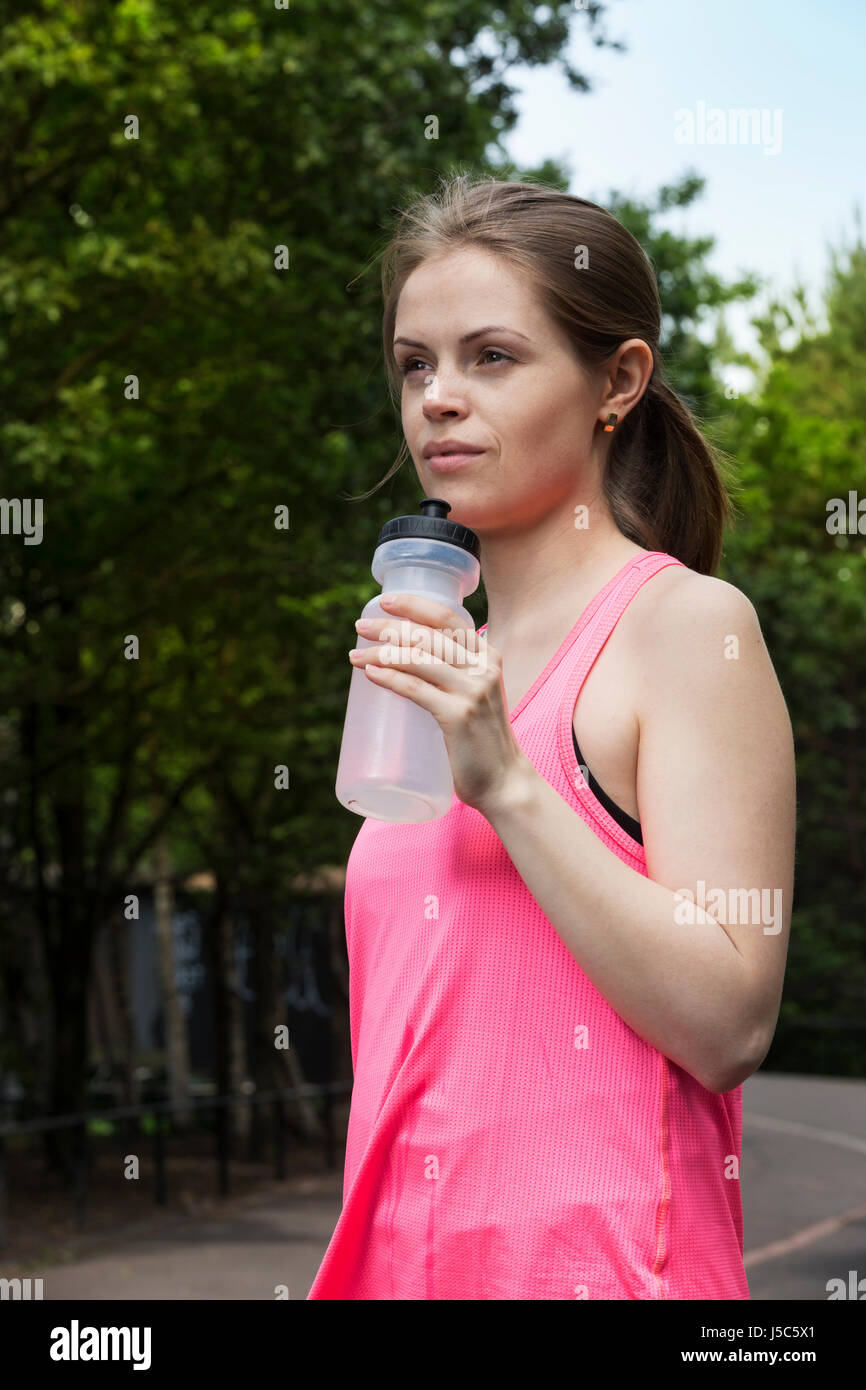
(510, 1136)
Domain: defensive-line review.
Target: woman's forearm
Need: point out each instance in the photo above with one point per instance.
(682, 987)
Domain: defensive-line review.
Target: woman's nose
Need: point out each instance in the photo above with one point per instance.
(442, 389)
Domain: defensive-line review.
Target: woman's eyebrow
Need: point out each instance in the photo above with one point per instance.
(467, 337)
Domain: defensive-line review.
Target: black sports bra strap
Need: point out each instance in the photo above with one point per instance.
(628, 823)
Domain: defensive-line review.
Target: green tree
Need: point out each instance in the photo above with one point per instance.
(185, 197)
(801, 442)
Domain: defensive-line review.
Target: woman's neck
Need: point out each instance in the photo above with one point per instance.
(531, 579)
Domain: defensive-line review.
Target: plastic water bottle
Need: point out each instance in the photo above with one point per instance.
(393, 760)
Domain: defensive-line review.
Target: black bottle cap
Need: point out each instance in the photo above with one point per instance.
(432, 523)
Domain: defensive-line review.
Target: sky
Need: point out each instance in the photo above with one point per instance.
(773, 202)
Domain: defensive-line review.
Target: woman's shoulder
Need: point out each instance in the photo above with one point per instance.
(681, 615)
(710, 592)
(678, 595)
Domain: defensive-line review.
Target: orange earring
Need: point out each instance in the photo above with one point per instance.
(611, 421)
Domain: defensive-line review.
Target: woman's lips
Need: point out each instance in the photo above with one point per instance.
(449, 463)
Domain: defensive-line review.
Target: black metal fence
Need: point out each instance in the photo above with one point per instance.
(222, 1145)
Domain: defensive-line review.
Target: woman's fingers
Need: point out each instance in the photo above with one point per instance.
(423, 610)
(438, 658)
(453, 644)
(423, 636)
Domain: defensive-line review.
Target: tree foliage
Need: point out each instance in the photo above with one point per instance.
(191, 205)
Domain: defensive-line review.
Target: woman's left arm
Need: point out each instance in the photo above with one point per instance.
(717, 797)
(717, 800)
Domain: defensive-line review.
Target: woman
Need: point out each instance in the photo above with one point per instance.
(558, 988)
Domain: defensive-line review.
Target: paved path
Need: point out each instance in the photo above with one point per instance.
(804, 1200)
(804, 1184)
(252, 1245)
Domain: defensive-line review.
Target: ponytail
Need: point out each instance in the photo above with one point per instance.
(664, 481)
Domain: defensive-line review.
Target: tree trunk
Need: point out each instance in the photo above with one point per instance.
(176, 1037)
(68, 925)
(118, 968)
(263, 1068)
(69, 974)
(237, 1049)
(218, 932)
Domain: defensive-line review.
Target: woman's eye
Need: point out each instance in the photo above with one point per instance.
(409, 364)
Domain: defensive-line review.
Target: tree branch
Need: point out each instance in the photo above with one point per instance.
(163, 818)
(27, 186)
(92, 354)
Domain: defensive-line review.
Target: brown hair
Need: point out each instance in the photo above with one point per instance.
(663, 481)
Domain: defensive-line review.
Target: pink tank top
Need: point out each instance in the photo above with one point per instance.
(510, 1136)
